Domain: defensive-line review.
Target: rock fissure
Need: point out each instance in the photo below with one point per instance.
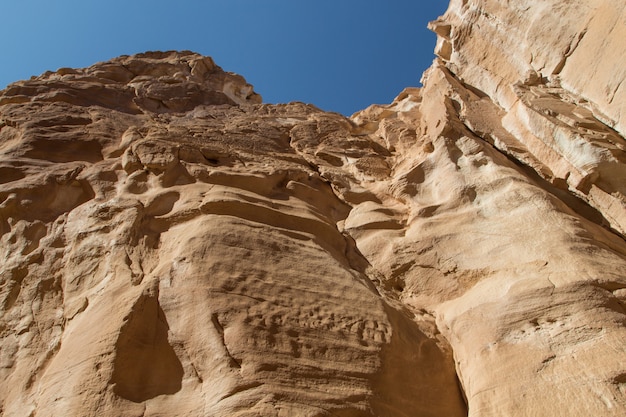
(570, 199)
(568, 52)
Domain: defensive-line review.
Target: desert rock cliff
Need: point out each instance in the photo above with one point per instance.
(172, 246)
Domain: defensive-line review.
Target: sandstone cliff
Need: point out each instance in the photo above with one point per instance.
(173, 247)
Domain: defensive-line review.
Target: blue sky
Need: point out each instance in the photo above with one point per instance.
(340, 55)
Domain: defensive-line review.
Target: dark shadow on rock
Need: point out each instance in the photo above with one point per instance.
(145, 364)
(417, 377)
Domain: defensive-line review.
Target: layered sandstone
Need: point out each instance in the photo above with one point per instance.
(172, 246)
(556, 72)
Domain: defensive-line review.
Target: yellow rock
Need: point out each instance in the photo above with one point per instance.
(171, 246)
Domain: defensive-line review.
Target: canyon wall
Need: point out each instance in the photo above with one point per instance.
(173, 246)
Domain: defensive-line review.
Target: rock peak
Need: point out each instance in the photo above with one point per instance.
(156, 82)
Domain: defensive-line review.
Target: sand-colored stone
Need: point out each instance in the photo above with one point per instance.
(525, 282)
(173, 247)
(181, 257)
(557, 71)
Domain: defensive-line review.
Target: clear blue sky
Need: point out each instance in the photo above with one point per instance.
(340, 55)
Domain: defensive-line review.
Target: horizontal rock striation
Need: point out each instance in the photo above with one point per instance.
(172, 246)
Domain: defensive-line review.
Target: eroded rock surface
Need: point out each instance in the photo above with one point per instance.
(557, 73)
(171, 246)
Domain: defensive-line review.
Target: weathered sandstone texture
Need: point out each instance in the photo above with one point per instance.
(173, 247)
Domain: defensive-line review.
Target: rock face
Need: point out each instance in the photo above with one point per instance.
(556, 74)
(171, 246)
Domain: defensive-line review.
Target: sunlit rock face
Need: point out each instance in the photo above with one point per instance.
(172, 246)
(556, 70)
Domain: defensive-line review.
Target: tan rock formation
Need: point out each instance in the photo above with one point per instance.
(557, 72)
(171, 246)
(168, 252)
